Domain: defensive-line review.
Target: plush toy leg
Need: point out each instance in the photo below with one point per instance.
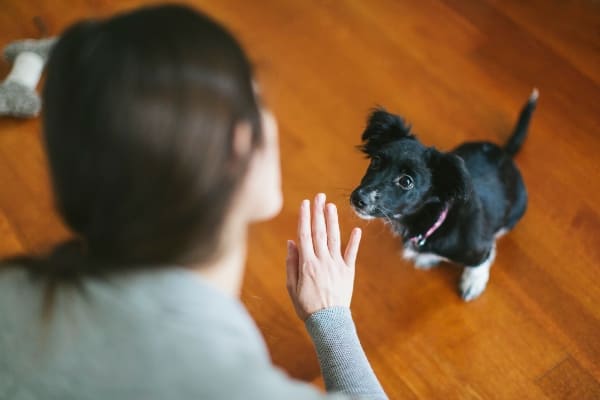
(18, 97)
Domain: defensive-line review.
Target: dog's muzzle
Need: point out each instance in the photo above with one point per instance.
(363, 203)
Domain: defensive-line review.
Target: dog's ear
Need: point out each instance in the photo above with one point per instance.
(450, 179)
(382, 128)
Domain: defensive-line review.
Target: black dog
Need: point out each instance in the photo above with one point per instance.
(446, 206)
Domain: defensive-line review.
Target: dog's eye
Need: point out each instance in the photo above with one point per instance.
(375, 163)
(405, 182)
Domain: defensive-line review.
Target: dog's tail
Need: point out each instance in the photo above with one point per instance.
(516, 140)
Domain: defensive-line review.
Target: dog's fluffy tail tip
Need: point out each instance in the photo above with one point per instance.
(535, 93)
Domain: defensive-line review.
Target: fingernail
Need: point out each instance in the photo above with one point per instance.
(321, 198)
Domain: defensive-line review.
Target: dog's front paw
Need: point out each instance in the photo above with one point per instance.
(473, 282)
(425, 262)
(422, 261)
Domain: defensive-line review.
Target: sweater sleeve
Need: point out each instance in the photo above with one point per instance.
(344, 365)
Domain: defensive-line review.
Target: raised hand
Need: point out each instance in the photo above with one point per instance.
(318, 275)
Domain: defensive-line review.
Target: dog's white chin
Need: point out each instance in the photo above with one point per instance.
(366, 217)
(363, 216)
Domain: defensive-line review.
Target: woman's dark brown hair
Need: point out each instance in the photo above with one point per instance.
(139, 115)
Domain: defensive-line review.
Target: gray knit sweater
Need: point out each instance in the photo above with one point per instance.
(159, 335)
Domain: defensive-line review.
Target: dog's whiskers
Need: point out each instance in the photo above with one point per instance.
(387, 214)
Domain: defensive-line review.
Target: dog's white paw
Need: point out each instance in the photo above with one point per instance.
(427, 261)
(422, 261)
(473, 282)
(474, 279)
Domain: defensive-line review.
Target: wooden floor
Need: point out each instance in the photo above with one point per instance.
(458, 70)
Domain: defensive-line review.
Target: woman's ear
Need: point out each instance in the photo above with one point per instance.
(450, 178)
(242, 139)
(260, 196)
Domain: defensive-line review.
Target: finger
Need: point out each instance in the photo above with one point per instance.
(305, 243)
(291, 266)
(352, 247)
(319, 230)
(333, 230)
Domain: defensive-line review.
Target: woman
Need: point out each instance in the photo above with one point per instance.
(160, 156)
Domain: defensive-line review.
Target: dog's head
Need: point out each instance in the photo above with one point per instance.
(404, 175)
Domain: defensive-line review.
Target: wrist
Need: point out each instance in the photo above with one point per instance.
(329, 319)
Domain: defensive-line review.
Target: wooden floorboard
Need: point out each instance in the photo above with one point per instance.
(457, 71)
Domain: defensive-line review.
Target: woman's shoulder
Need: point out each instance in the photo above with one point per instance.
(165, 332)
(130, 307)
(129, 325)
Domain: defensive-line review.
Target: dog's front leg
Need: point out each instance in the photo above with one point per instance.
(474, 278)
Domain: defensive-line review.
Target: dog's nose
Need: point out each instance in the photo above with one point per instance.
(358, 199)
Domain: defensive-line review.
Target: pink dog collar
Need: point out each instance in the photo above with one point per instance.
(420, 240)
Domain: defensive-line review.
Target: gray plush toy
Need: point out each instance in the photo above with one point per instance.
(18, 96)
